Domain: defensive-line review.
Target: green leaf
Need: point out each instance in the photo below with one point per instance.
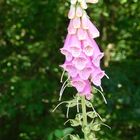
(67, 131)
(58, 133)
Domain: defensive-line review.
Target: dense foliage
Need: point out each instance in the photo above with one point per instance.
(31, 33)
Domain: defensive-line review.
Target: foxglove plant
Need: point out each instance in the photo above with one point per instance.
(82, 65)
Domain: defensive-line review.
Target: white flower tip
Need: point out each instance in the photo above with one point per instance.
(92, 1)
(83, 4)
(73, 1)
(79, 0)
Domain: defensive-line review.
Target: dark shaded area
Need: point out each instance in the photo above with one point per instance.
(31, 33)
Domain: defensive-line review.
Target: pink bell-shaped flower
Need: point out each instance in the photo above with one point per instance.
(87, 90)
(97, 56)
(65, 49)
(80, 62)
(78, 83)
(93, 31)
(82, 53)
(75, 46)
(88, 47)
(86, 72)
(96, 77)
(70, 69)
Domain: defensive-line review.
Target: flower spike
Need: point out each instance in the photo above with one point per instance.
(82, 65)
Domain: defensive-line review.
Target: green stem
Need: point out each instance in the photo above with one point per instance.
(83, 101)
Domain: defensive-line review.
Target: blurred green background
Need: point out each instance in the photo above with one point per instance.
(31, 33)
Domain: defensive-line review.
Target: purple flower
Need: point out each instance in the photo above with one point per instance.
(82, 54)
(78, 83)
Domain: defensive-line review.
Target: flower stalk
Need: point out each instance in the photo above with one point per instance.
(84, 114)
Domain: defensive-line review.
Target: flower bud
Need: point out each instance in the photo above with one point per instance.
(73, 1)
(71, 29)
(85, 21)
(79, 11)
(79, 1)
(76, 22)
(71, 13)
(92, 1)
(84, 4)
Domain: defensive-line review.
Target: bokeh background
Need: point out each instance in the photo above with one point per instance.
(31, 33)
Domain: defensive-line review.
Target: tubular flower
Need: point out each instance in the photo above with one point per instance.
(82, 54)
